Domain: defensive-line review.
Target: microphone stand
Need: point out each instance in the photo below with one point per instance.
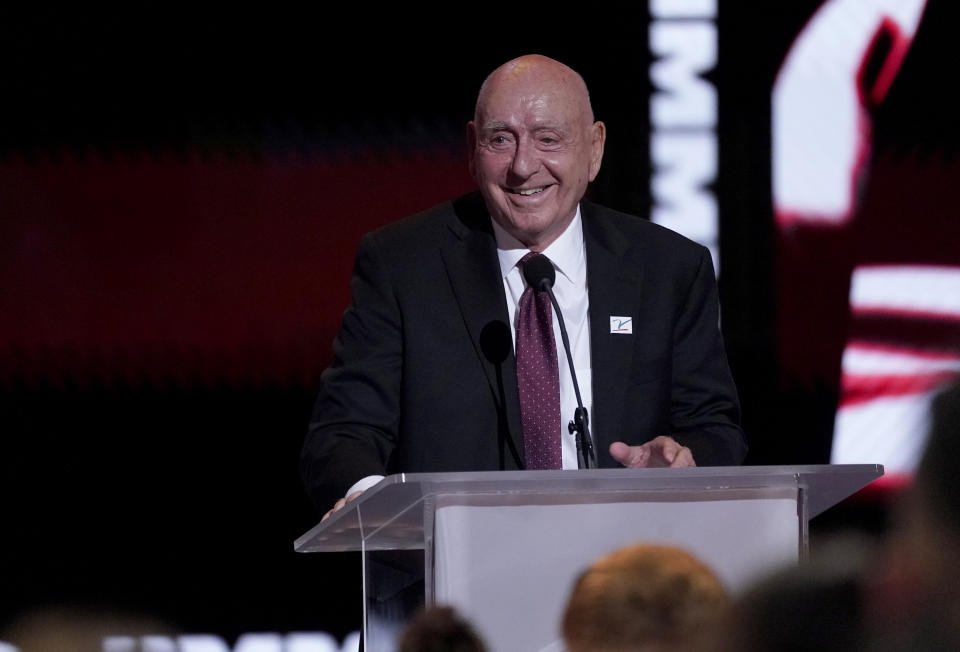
(580, 425)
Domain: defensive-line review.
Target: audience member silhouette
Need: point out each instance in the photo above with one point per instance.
(644, 598)
(440, 629)
(915, 592)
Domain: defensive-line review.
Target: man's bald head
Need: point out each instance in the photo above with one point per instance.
(536, 69)
(534, 147)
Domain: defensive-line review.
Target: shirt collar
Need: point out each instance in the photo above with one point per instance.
(566, 252)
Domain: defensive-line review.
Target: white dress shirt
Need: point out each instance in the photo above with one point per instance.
(569, 259)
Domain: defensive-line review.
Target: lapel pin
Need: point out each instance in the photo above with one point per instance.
(622, 325)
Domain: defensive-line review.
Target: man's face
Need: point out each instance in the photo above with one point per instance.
(534, 149)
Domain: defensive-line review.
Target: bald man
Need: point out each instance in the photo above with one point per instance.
(424, 376)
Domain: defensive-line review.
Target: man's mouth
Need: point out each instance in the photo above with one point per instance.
(526, 192)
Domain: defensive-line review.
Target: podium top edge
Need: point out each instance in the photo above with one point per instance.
(536, 477)
(822, 485)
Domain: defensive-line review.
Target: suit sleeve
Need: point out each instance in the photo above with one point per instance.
(704, 408)
(355, 419)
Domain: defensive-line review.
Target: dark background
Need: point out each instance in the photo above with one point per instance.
(181, 194)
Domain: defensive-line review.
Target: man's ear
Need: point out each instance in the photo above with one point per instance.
(471, 148)
(598, 137)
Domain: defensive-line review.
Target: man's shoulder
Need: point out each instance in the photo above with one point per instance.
(610, 224)
(462, 214)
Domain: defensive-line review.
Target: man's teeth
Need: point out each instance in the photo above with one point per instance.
(532, 191)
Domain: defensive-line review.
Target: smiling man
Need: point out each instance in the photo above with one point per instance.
(447, 361)
(535, 147)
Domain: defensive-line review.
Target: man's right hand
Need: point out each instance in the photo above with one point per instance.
(337, 506)
(658, 452)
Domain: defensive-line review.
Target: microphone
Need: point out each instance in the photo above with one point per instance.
(540, 274)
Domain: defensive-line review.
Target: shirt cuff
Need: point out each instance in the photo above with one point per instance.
(364, 484)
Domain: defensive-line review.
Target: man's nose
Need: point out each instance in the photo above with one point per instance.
(525, 159)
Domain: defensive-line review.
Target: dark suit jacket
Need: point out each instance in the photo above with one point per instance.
(424, 376)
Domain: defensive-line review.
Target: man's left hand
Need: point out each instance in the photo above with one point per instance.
(659, 452)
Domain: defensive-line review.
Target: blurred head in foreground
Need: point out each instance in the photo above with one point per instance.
(915, 594)
(644, 598)
(816, 605)
(938, 480)
(440, 629)
(72, 629)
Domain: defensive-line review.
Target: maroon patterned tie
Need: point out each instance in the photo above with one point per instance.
(538, 379)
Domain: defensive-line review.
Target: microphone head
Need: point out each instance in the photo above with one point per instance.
(496, 341)
(539, 272)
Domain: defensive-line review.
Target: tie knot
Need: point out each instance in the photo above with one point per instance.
(527, 256)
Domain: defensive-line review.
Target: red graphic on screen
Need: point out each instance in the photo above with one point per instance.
(869, 267)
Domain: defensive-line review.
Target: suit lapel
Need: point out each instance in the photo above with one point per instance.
(470, 257)
(614, 286)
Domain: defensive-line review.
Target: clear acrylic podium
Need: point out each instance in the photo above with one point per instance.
(505, 547)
